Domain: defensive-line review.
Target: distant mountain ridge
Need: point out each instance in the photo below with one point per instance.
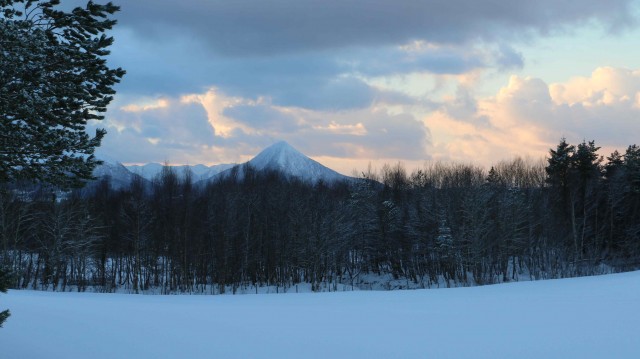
(280, 157)
(200, 172)
(117, 174)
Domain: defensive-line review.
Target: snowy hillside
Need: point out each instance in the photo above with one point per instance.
(584, 318)
(286, 159)
(215, 170)
(200, 172)
(118, 175)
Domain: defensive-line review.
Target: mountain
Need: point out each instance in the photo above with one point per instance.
(147, 171)
(280, 157)
(200, 172)
(284, 158)
(119, 176)
(213, 171)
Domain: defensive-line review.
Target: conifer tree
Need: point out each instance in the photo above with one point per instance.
(4, 285)
(560, 161)
(613, 165)
(54, 79)
(632, 167)
(587, 159)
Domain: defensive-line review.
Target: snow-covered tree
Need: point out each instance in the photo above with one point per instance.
(54, 79)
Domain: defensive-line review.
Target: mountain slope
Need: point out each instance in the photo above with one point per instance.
(117, 174)
(280, 157)
(213, 171)
(284, 158)
(200, 172)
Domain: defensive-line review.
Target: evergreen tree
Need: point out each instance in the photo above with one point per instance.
(4, 285)
(559, 170)
(585, 176)
(614, 163)
(632, 203)
(493, 179)
(559, 165)
(53, 80)
(632, 167)
(587, 161)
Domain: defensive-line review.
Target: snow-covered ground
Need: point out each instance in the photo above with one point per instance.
(595, 317)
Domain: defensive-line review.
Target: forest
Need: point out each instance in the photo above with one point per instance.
(574, 213)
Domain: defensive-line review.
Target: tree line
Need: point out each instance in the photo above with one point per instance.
(444, 224)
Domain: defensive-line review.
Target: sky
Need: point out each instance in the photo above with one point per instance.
(357, 82)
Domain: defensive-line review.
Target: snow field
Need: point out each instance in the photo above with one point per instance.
(594, 317)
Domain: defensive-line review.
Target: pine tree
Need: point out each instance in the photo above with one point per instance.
(560, 162)
(493, 179)
(587, 162)
(613, 165)
(632, 167)
(4, 285)
(585, 179)
(53, 80)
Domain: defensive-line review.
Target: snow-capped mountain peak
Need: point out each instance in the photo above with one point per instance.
(280, 155)
(119, 176)
(284, 158)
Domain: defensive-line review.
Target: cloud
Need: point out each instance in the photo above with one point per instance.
(418, 56)
(462, 106)
(366, 134)
(506, 57)
(357, 133)
(524, 99)
(264, 117)
(316, 54)
(602, 106)
(529, 116)
(156, 129)
(339, 92)
(320, 81)
(254, 28)
(605, 86)
(213, 127)
(350, 79)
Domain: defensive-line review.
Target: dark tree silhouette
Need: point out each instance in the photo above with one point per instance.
(53, 80)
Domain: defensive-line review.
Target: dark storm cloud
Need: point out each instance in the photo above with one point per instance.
(258, 27)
